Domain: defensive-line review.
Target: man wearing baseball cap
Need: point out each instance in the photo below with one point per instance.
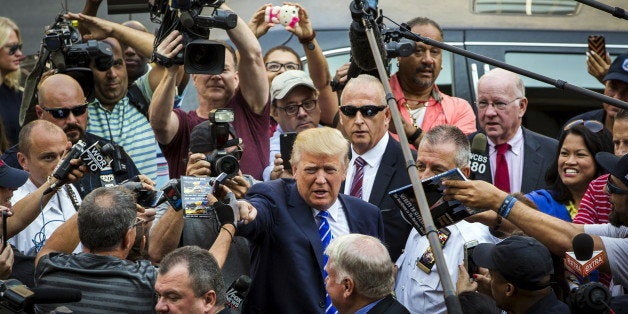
(294, 105)
(10, 180)
(520, 271)
(615, 86)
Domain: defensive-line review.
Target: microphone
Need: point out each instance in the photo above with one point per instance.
(171, 193)
(478, 155)
(63, 168)
(362, 60)
(237, 292)
(585, 296)
(49, 294)
(583, 260)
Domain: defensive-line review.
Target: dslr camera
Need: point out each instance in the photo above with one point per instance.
(200, 55)
(222, 161)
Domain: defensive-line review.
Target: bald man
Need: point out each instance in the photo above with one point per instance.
(501, 105)
(61, 101)
(136, 63)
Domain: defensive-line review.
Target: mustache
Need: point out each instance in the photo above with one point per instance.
(73, 127)
(424, 68)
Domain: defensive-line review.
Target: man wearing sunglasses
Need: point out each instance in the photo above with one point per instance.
(61, 101)
(615, 86)
(516, 157)
(377, 164)
(294, 105)
(557, 234)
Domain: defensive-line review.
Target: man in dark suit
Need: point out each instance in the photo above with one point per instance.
(361, 276)
(287, 249)
(501, 105)
(377, 164)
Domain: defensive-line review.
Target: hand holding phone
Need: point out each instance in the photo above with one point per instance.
(469, 264)
(597, 44)
(286, 141)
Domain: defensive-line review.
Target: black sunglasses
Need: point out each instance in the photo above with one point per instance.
(613, 189)
(366, 111)
(62, 113)
(14, 48)
(592, 125)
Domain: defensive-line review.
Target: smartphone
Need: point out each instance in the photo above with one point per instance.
(471, 267)
(597, 44)
(286, 141)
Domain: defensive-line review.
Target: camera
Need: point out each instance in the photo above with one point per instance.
(199, 55)
(222, 161)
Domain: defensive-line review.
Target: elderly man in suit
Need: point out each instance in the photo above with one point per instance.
(511, 148)
(377, 164)
(296, 219)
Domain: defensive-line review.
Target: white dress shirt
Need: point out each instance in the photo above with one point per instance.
(55, 212)
(514, 158)
(373, 159)
(337, 219)
(420, 292)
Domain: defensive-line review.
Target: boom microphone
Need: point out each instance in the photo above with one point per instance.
(478, 155)
(361, 55)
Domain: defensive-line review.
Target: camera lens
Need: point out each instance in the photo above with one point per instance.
(227, 164)
(204, 57)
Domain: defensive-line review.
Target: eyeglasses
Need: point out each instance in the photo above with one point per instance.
(499, 105)
(613, 189)
(62, 113)
(13, 48)
(593, 125)
(292, 109)
(276, 66)
(366, 111)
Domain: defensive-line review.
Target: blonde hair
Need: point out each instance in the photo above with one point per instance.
(323, 141)
(11, 79)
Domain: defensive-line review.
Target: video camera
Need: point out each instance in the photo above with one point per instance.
(15, 297)
(222, 161)
(200, 55)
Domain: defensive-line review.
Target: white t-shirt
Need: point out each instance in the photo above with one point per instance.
(615, 241)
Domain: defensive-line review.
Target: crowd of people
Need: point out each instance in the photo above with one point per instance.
(316, 230)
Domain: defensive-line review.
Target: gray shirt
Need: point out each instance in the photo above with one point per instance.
(615, 241)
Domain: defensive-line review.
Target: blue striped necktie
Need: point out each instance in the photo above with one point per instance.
(325, 233)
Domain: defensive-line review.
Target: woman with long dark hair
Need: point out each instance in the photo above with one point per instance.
(573, 168)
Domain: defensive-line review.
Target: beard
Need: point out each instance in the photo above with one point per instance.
(615, 220)
(74, 127)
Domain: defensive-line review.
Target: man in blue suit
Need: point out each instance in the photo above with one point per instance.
(287, 252)
(501, 104)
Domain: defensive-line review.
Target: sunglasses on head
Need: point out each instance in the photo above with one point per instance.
(14, 48)
(592, 125)
(366, 111)
(62, 113)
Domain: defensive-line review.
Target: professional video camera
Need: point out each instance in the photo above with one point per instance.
(200, 55)
(63, 50)
(15, 297)
(222, 161)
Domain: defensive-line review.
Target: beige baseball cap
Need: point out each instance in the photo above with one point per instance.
(283, 83)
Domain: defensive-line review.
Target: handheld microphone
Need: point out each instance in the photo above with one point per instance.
(478, 155)
(63, 168)
(95, 159)
(171, 194)
(585, 296)
(583, 260)
(237, 292)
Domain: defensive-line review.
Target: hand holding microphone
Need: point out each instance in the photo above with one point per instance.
(69, 169)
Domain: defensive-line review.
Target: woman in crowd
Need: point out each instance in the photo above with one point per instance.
(10, 90)
(573, 169)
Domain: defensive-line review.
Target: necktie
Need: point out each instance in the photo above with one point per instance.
(358, 175)
(502, 178)
(325, 233)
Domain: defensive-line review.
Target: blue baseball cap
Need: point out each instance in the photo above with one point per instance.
(10, 177)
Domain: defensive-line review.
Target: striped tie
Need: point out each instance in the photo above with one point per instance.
(325, 233)
(356, 184)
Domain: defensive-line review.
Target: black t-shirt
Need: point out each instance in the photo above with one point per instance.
(10, 101)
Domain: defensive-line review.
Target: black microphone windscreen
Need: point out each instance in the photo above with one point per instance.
(242, 283)
(49, 294)
(582, 246)
(478, 145)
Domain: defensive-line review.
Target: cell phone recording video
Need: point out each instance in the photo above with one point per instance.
(597, 44)
(469, 264)
(286, 141)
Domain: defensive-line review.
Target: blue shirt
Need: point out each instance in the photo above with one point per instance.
(368, 307)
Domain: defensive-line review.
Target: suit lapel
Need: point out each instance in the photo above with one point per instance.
(531, 163)
(384, 174)
(303, 218)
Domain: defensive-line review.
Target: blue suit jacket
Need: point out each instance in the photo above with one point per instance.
(538, 153)
(287, 264)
